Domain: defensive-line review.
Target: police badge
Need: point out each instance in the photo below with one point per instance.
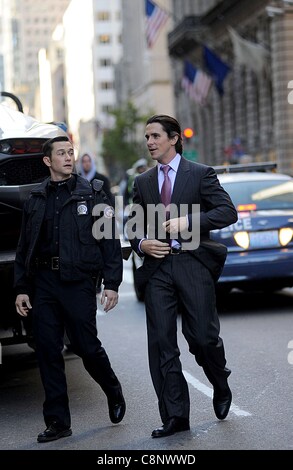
(109, 212)
(82, 208)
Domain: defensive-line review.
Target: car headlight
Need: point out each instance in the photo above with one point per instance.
(285, 235)
(242, 239)
(5, 147)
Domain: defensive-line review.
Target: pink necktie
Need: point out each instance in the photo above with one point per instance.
(166, 193)
(166, 190)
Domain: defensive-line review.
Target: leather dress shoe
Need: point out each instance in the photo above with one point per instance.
(222, 402)
(117, 409)
(172, 426)
(54, 432)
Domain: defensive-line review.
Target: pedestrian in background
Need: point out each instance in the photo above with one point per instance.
(56, 266)
(126, 187)
(88, 170)
(178, 280)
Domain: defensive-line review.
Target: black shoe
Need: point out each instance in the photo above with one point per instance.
(172, 426)
(117, 409)
(222, 402)
(53, 432)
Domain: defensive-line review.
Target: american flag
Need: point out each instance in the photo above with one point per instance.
(195, 83)
(155, 20)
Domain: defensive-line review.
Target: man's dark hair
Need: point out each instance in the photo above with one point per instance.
(171, 126)
(48, 145)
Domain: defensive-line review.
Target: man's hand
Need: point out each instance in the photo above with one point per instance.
(22, 304)
(155, 248)
(112, 299)
(176, 225)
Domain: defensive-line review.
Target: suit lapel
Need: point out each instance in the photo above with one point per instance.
(153, 185)
(181, 180)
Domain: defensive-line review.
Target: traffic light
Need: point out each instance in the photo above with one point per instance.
(190, 144)
(188, 132)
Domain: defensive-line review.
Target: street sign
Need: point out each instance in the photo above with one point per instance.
(191, 155)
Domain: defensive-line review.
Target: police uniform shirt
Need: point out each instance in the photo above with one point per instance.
(58, 192)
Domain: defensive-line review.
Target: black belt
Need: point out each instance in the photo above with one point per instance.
(48, 263)
(176, 251)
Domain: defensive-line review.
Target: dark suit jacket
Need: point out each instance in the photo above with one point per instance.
(195, 183)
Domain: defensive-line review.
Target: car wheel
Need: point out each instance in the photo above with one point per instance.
(222, 294)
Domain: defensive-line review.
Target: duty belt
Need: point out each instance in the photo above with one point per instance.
(48, 263)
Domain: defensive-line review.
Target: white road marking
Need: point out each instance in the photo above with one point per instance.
(127, 276)
(208, 391)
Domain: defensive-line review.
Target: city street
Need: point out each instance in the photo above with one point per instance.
(256, 330)
(174, 120)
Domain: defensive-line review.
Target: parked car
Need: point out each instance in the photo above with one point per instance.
(260, 243)
(21, 168)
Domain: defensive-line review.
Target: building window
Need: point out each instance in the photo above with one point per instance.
(105, 62)
(118, 15)
(119, 39)
(107, 108)
(103, 16)
(104, 39)
(59, 53)
(107, 85)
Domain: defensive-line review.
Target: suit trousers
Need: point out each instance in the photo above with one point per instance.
(182, 285)
(58, 304)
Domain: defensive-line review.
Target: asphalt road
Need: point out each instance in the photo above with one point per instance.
(256, 329)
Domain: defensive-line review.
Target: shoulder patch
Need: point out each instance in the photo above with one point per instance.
(97, 184)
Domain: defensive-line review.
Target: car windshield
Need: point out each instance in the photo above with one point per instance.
(261, 195)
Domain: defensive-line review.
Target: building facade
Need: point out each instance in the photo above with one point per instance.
(253, 113)
(144, 74)
(28, 27)
(92, 47)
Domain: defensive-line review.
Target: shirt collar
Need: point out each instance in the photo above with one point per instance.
(174, 164)
(68, 184)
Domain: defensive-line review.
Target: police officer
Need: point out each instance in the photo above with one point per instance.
(56, 266)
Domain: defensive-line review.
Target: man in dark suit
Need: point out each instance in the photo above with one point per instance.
(176, 279)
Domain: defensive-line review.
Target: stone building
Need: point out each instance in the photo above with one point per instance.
(144, 75)
(27, 27)
(254, 111)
